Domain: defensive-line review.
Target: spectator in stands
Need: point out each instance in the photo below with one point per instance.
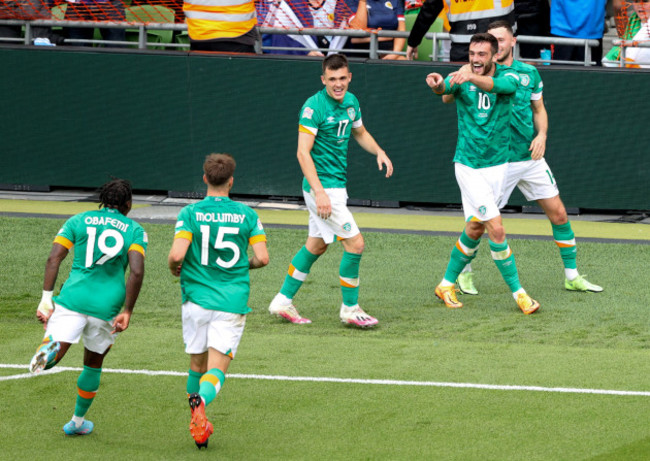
(95, 10)
(533, 18)
(28, 10)
(637, 56)
(221, 25)
(578, 19)
(296, 14)
(464, 19)
(378, 14)
(627, 24)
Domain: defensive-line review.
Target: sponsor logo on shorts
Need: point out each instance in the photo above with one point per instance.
(347, 227)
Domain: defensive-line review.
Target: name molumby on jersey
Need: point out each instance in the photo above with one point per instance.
(220, 217)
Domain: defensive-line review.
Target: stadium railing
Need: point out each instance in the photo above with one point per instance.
(374, 53)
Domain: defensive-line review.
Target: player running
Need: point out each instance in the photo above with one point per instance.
(327, 119)
(483, 92)
(89, 305)
(527, 169)
(209, 254)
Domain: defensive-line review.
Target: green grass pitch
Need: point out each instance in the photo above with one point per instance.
(577, 341)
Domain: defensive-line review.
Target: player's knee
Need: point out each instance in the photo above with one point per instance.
(355, 244)
(497, 234)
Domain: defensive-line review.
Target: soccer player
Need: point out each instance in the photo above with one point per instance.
(209, 253)
(527, 169)
(327, 119)
(483, 92)
(89, 305)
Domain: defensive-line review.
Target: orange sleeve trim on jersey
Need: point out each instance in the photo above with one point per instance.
(136, 247)
(303, 129)
(63, 242)
(187, 235)
(256, 239)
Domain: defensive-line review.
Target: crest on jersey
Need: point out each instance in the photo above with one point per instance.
(351, 113)
(307, 113)
(525, 79)
(389, 5)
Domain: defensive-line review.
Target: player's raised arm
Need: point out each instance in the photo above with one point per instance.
(365, 140)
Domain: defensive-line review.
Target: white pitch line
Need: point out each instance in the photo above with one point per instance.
(316, 379)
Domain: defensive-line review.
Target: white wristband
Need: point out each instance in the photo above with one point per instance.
(47, 296)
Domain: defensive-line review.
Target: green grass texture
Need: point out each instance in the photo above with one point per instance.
(576, 341)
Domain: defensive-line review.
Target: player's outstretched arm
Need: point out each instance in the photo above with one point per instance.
(260, 256)
(365, 140)
(305, 144)
(133, 286)
(540, 120)
(436, 82)
(46, 307)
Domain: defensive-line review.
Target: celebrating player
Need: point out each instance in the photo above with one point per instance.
(326, 121)
(88, 307)
(527, 169)
(209, 254)
(483, 92)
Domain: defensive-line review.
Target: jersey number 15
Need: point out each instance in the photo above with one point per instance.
(219, 244)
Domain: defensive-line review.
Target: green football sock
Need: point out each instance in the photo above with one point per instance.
(505, 261)
(211, 383)
(193, 378)
(298, 270)
(349, 277)
(462, 254)
(87, 386)
(566, 242)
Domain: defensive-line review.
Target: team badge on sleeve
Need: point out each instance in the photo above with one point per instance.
(259, 224)
(307, 113)
(351, 113)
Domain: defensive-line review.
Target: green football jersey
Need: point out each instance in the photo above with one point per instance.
(523, 129)
(484, 120)
(215, 272)
(331, 122)
(96, 285)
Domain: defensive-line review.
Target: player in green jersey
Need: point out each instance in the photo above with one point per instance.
(89, 305)
(483, 92)
(209, 254)
(528, 169)
(327, 119)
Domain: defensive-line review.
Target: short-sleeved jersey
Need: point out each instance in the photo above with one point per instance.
(523, 129)
(102, 239)
(215, 272)
(331, 122)
(484, 120)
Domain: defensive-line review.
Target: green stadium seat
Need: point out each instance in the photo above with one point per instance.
(426, 47)
(150, 13)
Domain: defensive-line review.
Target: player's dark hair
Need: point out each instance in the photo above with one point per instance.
(335, 62)
(484, 37)
(117, 194)
(219, 168)
(501, 23)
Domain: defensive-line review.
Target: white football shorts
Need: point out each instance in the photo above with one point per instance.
(481, 190)
(340, 225)
(70, 326)
(207, 328)
(533, 178)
